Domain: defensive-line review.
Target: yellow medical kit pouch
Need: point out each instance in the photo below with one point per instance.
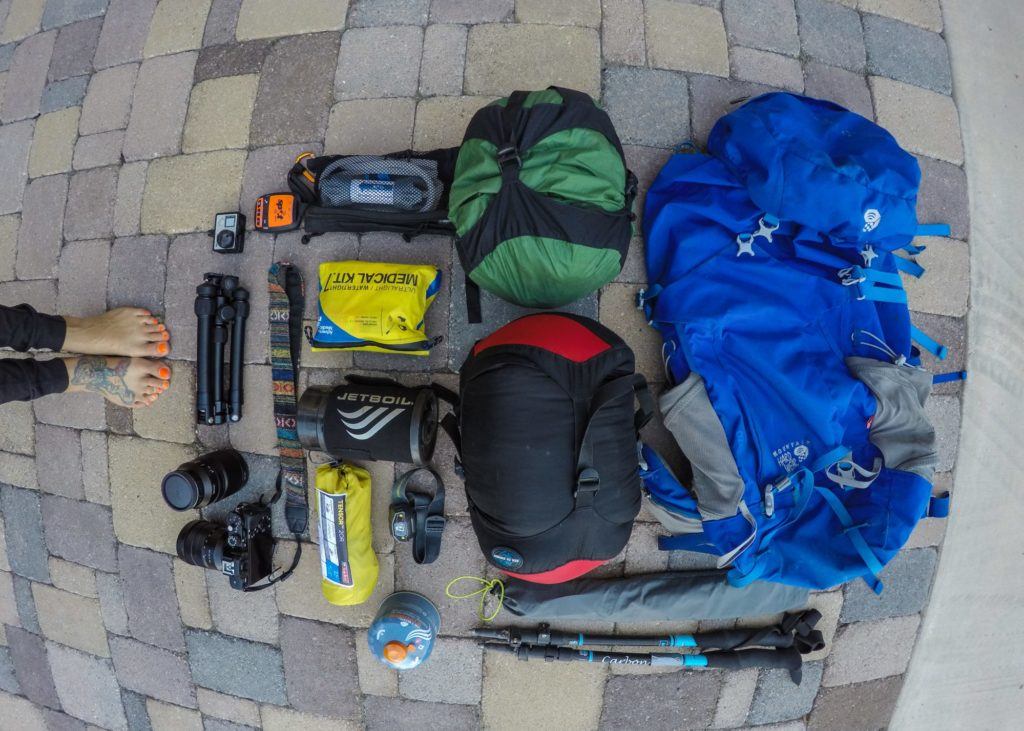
(375, 306)
(348, 565)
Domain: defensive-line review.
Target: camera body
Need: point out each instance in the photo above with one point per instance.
(229, 233)
(242, 548)
(250, 539)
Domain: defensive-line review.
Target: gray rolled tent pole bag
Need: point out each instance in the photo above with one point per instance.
(671, 595)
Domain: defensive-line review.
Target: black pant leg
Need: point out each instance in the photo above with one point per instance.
(24, 380)
(24, 329)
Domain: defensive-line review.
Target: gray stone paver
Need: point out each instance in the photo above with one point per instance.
(380, 75)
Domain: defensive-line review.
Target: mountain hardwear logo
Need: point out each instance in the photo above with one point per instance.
(364, 423)
(872, 218)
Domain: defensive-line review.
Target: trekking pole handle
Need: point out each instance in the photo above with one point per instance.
(784, 659)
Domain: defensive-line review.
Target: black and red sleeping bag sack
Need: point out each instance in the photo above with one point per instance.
(548, 444)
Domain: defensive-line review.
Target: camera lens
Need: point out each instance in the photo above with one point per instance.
(202, 543)
(226, 239)
(205, 480)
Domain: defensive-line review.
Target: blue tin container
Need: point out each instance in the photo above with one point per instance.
(403, 632)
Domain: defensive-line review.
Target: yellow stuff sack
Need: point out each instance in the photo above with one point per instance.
(348, 565)
(373, 306)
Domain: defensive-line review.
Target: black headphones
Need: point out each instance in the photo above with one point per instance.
(417, 516)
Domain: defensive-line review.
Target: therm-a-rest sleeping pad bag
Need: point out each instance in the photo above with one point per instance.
(549, 445)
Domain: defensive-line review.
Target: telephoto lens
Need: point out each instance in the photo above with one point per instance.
(205, 480)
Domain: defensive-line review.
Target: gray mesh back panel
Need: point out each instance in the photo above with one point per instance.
(688, 414)
(900, 428)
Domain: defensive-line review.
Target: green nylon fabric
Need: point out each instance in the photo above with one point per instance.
(540, 272)
(576, 165)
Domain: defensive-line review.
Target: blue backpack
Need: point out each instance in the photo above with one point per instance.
(798, 397)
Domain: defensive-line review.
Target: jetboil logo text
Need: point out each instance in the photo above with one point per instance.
(365, 422)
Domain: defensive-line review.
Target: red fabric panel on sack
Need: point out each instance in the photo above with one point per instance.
(560, 335)
(565, 572)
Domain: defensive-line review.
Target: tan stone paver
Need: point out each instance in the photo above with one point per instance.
(219, 113)
(71, 619)
(349, 134)
(137, 467)
(53, 145)
(177, 26)
(686, 38)
(946, 284)
(22, 20)
(193, 600)
(925, 13)
(503, 58)
(276, 718)
(922, 121)
(441, 120)
(9, 226)
(199, 185)
(269, 18)
(227, 707)
(563, 696)
(563, 12)
(168, 717)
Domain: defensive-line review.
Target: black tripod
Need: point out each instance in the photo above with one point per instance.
(222, 307)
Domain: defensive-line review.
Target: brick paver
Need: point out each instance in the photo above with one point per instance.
(126, 124)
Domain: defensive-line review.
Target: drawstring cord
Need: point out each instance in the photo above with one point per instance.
(487, 587)
(881, 345)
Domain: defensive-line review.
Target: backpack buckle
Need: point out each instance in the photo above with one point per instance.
(507, 155)
(588, 482)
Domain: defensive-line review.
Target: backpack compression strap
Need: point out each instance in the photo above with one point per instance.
(588, 480)
(287, 303)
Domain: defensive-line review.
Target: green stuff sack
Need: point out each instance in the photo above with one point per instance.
(348, 565)
(374, 306)
(541, 200)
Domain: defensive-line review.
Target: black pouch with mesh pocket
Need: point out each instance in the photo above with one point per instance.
(405, 192)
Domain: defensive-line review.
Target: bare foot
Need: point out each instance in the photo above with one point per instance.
(130, 331)
(130, 382)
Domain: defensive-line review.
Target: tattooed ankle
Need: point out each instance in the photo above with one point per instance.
(105, 376)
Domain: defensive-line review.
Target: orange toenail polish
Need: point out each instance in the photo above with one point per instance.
(161, 327)
(161, 348)
(165, 372)
(167, 335)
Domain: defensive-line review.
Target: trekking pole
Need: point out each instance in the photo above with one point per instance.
(796, 630)
(784, 659)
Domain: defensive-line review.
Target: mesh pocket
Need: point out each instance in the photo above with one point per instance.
(381, 182)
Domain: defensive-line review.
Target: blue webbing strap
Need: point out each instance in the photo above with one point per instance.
(873, 284)
(938, 506)
(696, 542)
(948, 377)
(909, 266)
(927, 342)
(933, 229)
(853, 532)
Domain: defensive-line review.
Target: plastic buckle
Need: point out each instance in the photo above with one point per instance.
(508, 154)
(640, 298)
(769, 494)
(434, 525)
(588, 481)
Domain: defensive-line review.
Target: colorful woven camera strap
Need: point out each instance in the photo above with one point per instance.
(287, 303)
